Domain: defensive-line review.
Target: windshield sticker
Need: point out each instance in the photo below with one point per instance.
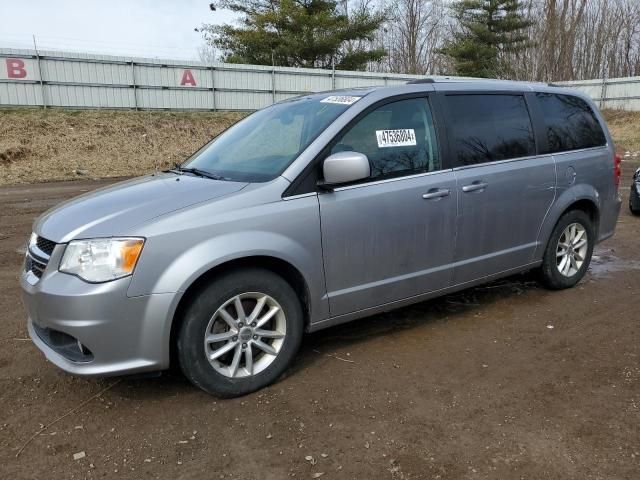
(340, 99)
(402, 137)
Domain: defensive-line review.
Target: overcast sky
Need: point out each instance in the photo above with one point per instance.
(158, 28)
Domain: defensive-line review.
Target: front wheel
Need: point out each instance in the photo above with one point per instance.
(568, 253)
(240, 333)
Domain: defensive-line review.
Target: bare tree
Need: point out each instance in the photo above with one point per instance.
(580, 39)
(207, 54)
(415, 32)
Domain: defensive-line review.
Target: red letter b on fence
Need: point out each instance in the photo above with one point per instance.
(15, 68)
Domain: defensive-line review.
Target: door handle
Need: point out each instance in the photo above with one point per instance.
(439, 193)
(474, 187)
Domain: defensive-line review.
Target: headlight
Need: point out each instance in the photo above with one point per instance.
(101, 259)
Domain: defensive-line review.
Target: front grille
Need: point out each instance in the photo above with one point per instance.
(34, 266)
(45, 245)
(38, 255)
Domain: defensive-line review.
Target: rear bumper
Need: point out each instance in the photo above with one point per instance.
(95, 329)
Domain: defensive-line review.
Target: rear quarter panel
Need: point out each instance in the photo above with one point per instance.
(581, 175)
(586, 174)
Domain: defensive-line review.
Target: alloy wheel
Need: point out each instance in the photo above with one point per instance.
(572, 249)
(245, 335)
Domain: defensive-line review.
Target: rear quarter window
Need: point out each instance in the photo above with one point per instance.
(488, 128)
(570, 123)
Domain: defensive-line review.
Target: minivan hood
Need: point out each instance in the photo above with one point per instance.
(113, 210)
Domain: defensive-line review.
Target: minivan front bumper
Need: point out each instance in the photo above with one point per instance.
(95, 329)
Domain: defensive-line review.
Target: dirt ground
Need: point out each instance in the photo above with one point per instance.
(503, 381)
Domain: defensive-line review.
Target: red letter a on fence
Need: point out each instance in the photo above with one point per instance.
(188, 79)
(15, 68)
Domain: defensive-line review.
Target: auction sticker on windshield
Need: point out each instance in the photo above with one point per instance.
(402, 137)
(341, 99)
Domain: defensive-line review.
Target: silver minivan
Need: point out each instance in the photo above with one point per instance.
(316, 211)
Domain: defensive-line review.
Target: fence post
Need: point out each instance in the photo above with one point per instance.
(44, 100)
(133, 79)
(333, 73)
(603, 92)
(273, 85)
(213, 87)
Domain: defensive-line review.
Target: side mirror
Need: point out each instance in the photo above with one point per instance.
(345, 167)
(636, 176)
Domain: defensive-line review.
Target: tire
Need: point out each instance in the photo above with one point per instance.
(634, 200)
(552, 276)
(212, 312)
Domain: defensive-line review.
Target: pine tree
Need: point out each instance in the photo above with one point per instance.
(489, 31)
(296, 33)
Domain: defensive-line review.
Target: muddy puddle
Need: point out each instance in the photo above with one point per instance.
(604, 263)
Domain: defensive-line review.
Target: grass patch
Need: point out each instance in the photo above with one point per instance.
(41, 145)
(625, 129)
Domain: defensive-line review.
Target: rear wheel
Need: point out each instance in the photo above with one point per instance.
(569, 251)
(240, 333)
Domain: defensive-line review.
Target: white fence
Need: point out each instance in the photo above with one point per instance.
(614, 93)
(77, 80)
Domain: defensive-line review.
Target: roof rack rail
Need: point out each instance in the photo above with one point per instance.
(421, 80)
(444, 79)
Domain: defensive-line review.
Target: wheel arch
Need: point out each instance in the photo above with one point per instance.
(589, 207)
(586, 200)
(280, 267)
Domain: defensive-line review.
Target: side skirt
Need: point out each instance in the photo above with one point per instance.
(329, 322)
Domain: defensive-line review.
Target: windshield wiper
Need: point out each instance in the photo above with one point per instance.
(197, 171)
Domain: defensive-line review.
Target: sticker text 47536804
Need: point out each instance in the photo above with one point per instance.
(340, 99)
(402, 137)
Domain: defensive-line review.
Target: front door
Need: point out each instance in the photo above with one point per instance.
(391, 236)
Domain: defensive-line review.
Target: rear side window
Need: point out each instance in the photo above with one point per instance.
(398, 138)
(570, 123)
(487, 128)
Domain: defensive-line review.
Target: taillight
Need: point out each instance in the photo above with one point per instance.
(617, 168)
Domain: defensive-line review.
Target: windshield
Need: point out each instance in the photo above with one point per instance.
(263, 145)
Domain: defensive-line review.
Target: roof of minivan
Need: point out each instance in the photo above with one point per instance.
(464, 83)
(447, 84)
(486, 84)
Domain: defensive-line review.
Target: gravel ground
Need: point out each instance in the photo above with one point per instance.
(507, 381)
